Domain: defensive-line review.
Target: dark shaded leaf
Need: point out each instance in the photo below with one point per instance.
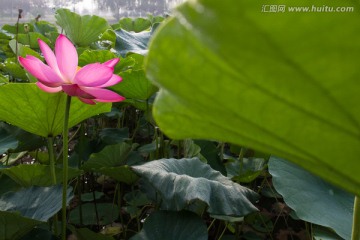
(185, 182)
(13, 226)
(39, 203)
(165, 225)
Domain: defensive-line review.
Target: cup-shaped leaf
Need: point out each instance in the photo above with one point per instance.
(272, 82)
(82, 30)
(185, 182)
(135, 25)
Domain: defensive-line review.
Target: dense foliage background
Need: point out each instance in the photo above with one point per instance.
(200, 147)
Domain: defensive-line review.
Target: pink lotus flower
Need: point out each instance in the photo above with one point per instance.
(63, 74)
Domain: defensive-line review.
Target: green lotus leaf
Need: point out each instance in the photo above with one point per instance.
(81, 30)
(38, 203)
(282, 83)
(135, 24)
(187, 182)
(41, 113)
(110, 156)
(311, 197)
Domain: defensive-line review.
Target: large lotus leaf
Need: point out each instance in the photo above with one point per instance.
(189, 181)
(36, 175)
(13, 226)
(39, 203)
(41, 113)
(132, 42)
(164, 225)
(311, 197)
(82, 30)
(284, 83)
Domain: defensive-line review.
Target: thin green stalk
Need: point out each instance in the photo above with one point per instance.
(119, 193)
(211, 224)
(50, 142)
(80, 181)
(222, 233)
(355, 235)
(65, 165)
(80, 178)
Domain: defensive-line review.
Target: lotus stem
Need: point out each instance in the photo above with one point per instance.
(355, 235)
(50, 141)
(65, 165)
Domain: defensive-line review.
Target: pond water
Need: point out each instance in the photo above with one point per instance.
(112, 10)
